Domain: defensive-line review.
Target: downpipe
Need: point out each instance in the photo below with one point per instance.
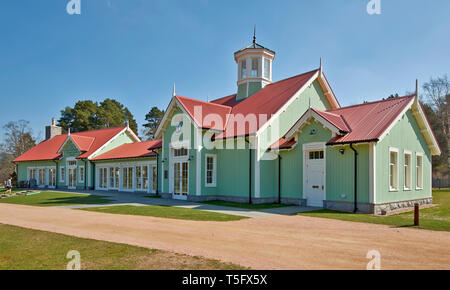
(355, 203)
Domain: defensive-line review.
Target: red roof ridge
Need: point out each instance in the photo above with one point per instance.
(219, 99)
(204, 102)
(371, 103)
(109, 128)
(293, 77)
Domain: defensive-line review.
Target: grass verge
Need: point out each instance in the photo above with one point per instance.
(25, 249)
(435, 218)
(50, 198)
(246, 205)
(167, 212)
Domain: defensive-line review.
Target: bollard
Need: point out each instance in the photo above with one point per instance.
(416, 214)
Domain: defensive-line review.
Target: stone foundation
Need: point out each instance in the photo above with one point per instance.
(374, 208)
(239, 199)
(387, 207)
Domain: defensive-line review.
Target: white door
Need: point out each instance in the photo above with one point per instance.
(315, 178)
(180, 181)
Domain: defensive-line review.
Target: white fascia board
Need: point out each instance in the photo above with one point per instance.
(287, 104)
(173, 102)
(107, 143)
(304, 119)
(328, 91)
(399, 117)
(65, 142)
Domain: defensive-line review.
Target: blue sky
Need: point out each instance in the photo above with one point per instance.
(133, 50)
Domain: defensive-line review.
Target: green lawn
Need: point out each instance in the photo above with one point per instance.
(434, 218)
(25, 249)
(245, 205)
(50, 198)
(167, 212)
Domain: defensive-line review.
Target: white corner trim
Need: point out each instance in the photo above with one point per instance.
(198, 173)
(372, 172)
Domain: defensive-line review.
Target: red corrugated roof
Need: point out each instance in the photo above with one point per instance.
(283, 143)
(89, 142)
(132, 150)
(265, 102)
(369, 121)
(83, 143)
(336, 120)
(359, 123)
(206, 109)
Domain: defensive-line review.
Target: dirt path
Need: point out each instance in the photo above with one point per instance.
(280, 242)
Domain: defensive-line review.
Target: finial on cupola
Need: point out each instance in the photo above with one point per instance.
(174, 93)
(68, 132)
(128, 124)
(254, 34)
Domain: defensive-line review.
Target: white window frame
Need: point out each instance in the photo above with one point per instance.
(214, 171)
(62, 174)
(81, 176)
(392, 149)
(409, 153)
(419, 154)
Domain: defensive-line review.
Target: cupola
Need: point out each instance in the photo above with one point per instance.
(254, 68)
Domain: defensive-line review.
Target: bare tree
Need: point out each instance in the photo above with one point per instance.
(437, 95)
(18, 139)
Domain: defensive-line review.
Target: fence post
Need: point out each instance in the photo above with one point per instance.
(416, 214)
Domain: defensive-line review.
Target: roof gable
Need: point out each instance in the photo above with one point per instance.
(86, 142)
(132, 150)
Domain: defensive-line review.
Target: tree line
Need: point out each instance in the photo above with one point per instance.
(88, 115)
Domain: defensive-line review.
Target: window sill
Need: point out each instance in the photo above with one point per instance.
(210, 185)
(419, 188)
(407, 189)
(393, 189)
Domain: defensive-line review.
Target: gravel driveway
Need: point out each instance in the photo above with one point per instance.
(276, 242)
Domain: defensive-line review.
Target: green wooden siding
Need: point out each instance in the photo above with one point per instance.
(405, 135)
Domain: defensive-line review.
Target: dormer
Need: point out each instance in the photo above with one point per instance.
(254, 69)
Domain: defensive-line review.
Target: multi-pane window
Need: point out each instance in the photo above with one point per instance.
(145, 177)
(154, 178)
(419, 171)
(316, 155)
(211, 170)
(128, 178)
(407, 171)
(138, 177)
(112, 179)
(62, 173)
(243, 69)
(103, 178)
(51, 177)
(255, 67)
(41, 180)
(266, 68)
(81, 176)
(180, 152)
(393, 170)
(72, 163)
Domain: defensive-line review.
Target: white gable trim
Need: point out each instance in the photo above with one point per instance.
(327, 91)
(65, 142)
(304, 120)
(126, 129)
(167, 113)
(421, 119)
